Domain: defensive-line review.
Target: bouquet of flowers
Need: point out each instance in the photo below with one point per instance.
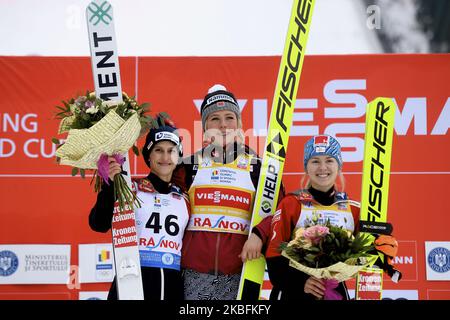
(96, 130)
(329, 252)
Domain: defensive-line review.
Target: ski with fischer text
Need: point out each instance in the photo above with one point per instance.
(380, 116)
(275, 149)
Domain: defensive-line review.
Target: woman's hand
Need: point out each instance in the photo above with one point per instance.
(114, 168)
(315, 287)
(252, 248)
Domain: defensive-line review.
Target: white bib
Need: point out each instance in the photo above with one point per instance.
(339, 215)
(221, 196)
(161, 222)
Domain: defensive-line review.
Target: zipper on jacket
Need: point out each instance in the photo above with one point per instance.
(162, 283)
(216, 258)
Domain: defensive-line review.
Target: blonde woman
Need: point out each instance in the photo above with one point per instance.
(221, 180)
(322, 196)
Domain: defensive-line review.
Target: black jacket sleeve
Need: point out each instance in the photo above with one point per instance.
(288, 280)
(100, 218)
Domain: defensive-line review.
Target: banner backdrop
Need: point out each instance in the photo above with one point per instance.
(43, 203)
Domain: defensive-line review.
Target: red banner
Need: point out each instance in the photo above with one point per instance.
(42, 203)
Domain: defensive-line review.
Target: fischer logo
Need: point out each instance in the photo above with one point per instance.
(294, 55)
(377, 174)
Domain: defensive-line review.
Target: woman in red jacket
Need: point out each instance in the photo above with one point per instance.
(221, 180)
(323, 165)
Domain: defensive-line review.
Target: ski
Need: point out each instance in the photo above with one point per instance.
(380, 116)
(285, 95)
(106, 72)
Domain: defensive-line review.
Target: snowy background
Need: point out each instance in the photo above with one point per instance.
(220, 27)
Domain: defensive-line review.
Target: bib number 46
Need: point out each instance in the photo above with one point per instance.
(170, 223)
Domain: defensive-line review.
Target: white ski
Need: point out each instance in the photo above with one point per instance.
(105, 68)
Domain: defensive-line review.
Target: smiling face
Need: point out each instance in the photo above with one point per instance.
(322, 172)
(222, 127)
(163, 159)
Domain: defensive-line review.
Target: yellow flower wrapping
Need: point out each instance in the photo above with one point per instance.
(340, 271)
(112, 134)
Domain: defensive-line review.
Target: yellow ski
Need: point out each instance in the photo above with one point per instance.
(277, 136)
(380, 117)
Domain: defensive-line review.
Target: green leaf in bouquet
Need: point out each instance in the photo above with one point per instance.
(124, 195)
(64, 110)
(135, 150)
(83, 173)
(56, 141)
(145, 106)
(154, 124)
(164, 115)
(97, 181)
(310, 257)
(66, 105)
(336, 240)
(74, 171)
(283, 246)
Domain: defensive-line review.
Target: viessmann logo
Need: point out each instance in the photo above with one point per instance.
(226, 197)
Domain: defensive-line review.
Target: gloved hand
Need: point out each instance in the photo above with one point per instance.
(388, 247)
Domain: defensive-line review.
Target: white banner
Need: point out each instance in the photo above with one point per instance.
(393, 294)
(95, 263)
(34, 264)
(437, 255)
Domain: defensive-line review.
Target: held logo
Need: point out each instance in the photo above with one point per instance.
(266, 206)
(270, 184)
(439, 259)
(8, 263)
